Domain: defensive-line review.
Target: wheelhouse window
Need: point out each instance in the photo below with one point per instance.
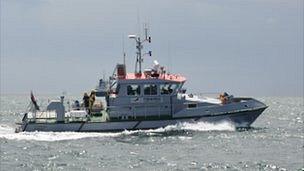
(167, 88)
(133, 90)
(150, 89)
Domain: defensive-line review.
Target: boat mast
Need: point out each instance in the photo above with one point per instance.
(139, 47)
(123, 51)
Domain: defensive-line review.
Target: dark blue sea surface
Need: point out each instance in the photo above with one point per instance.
(275, 142)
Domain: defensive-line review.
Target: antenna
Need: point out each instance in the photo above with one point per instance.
(169, 58)
(146, 28)
(103, 74)
(138, 21)
(139, 47)
(124, 59)
(123, 50)
(146, 31)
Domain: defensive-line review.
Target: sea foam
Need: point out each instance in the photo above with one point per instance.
(7, 132)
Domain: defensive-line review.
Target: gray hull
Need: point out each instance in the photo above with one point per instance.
(238, 119)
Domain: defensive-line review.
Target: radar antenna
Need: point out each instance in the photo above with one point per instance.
(139, 48)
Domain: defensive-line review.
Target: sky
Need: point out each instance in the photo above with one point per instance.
(244, 47)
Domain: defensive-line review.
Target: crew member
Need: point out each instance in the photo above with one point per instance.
(77, 105)
(86, 101)
(224, 97)
(91, 100)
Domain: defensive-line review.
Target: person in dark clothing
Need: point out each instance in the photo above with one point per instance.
(91, 101)
(77, 105)
(86, 101)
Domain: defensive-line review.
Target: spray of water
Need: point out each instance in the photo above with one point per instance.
(7, 132)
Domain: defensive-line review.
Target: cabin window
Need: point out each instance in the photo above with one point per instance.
(166, 89)
(133, 90)
(192, 105)
(174, 86)
(150, 89)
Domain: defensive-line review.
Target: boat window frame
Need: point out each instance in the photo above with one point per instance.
(136, 91)
(161, 86)
(150, 86)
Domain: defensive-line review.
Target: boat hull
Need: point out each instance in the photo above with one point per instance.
(238, 119)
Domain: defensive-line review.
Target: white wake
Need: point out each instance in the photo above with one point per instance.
(7, 132)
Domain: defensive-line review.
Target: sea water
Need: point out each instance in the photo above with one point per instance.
(275, 142)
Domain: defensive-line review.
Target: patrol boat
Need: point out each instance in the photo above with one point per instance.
(147, 99)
